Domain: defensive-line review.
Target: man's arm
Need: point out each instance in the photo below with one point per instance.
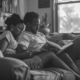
(53, 44)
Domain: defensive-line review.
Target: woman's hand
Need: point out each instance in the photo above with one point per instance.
(21, 48)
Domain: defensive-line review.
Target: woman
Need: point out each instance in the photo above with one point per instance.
(8, 38)
(11, 66)
(10, 47)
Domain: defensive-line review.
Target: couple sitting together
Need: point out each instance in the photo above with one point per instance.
(32, 47)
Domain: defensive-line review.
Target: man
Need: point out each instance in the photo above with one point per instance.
(33, 41)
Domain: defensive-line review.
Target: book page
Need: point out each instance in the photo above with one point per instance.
(65, 47)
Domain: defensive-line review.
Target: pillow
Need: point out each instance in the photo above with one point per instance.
(1, 54)
(13, 69)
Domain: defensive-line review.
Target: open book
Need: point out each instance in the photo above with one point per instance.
(61, 48)
(65, 47)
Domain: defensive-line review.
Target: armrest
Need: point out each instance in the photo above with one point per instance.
(13, 69)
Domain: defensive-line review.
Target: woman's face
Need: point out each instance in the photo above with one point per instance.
(17, 29)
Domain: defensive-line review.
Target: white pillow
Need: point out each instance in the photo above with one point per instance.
(1, 54)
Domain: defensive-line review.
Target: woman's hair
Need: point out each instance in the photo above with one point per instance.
(14, 19)
(29, 16)
(15, 15)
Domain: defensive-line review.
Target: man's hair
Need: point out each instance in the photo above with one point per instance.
(29, 16)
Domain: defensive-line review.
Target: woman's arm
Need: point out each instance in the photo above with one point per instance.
(21, 48)
(23, 55)
(21, 51)
(3, 44)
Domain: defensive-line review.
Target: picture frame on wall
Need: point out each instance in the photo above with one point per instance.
(0, 5)
(43, 3)
(7, 6)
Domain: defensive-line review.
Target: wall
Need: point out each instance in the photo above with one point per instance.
(23, 7)
(32, 5)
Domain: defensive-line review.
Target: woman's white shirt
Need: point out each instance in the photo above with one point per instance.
(12, 43)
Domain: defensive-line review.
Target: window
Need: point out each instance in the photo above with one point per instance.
(67, 16)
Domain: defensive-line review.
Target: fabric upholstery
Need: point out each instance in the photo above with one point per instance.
(51, 74)
(13, 69)
(77, 62)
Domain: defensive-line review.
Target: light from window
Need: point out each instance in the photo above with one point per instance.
(67, 0)
(69, 17)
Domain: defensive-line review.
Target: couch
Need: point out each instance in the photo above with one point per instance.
(55, 73)
(14, 69)
(52, 74)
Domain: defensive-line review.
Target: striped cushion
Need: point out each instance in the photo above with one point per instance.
(77, 62)
(51, 74)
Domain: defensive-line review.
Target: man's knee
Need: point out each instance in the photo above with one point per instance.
(13, 69)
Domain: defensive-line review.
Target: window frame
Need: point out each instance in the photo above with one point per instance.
(55, 13)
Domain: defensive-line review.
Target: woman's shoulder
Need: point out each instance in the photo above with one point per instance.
(6, 34)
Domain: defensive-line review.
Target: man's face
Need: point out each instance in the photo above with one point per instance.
(35, 25)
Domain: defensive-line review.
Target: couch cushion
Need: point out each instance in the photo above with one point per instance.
(13, 69)
(1, 54)
(77, 62)
(51, 74)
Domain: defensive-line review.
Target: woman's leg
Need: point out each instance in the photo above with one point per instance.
(72, 54)
(57, 62)
(67, 59)
(74, 50)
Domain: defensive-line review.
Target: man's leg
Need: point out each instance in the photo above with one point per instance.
(57, 62)
(74, 50)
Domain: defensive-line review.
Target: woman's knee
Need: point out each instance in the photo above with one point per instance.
(51, 55)
(46, 56)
